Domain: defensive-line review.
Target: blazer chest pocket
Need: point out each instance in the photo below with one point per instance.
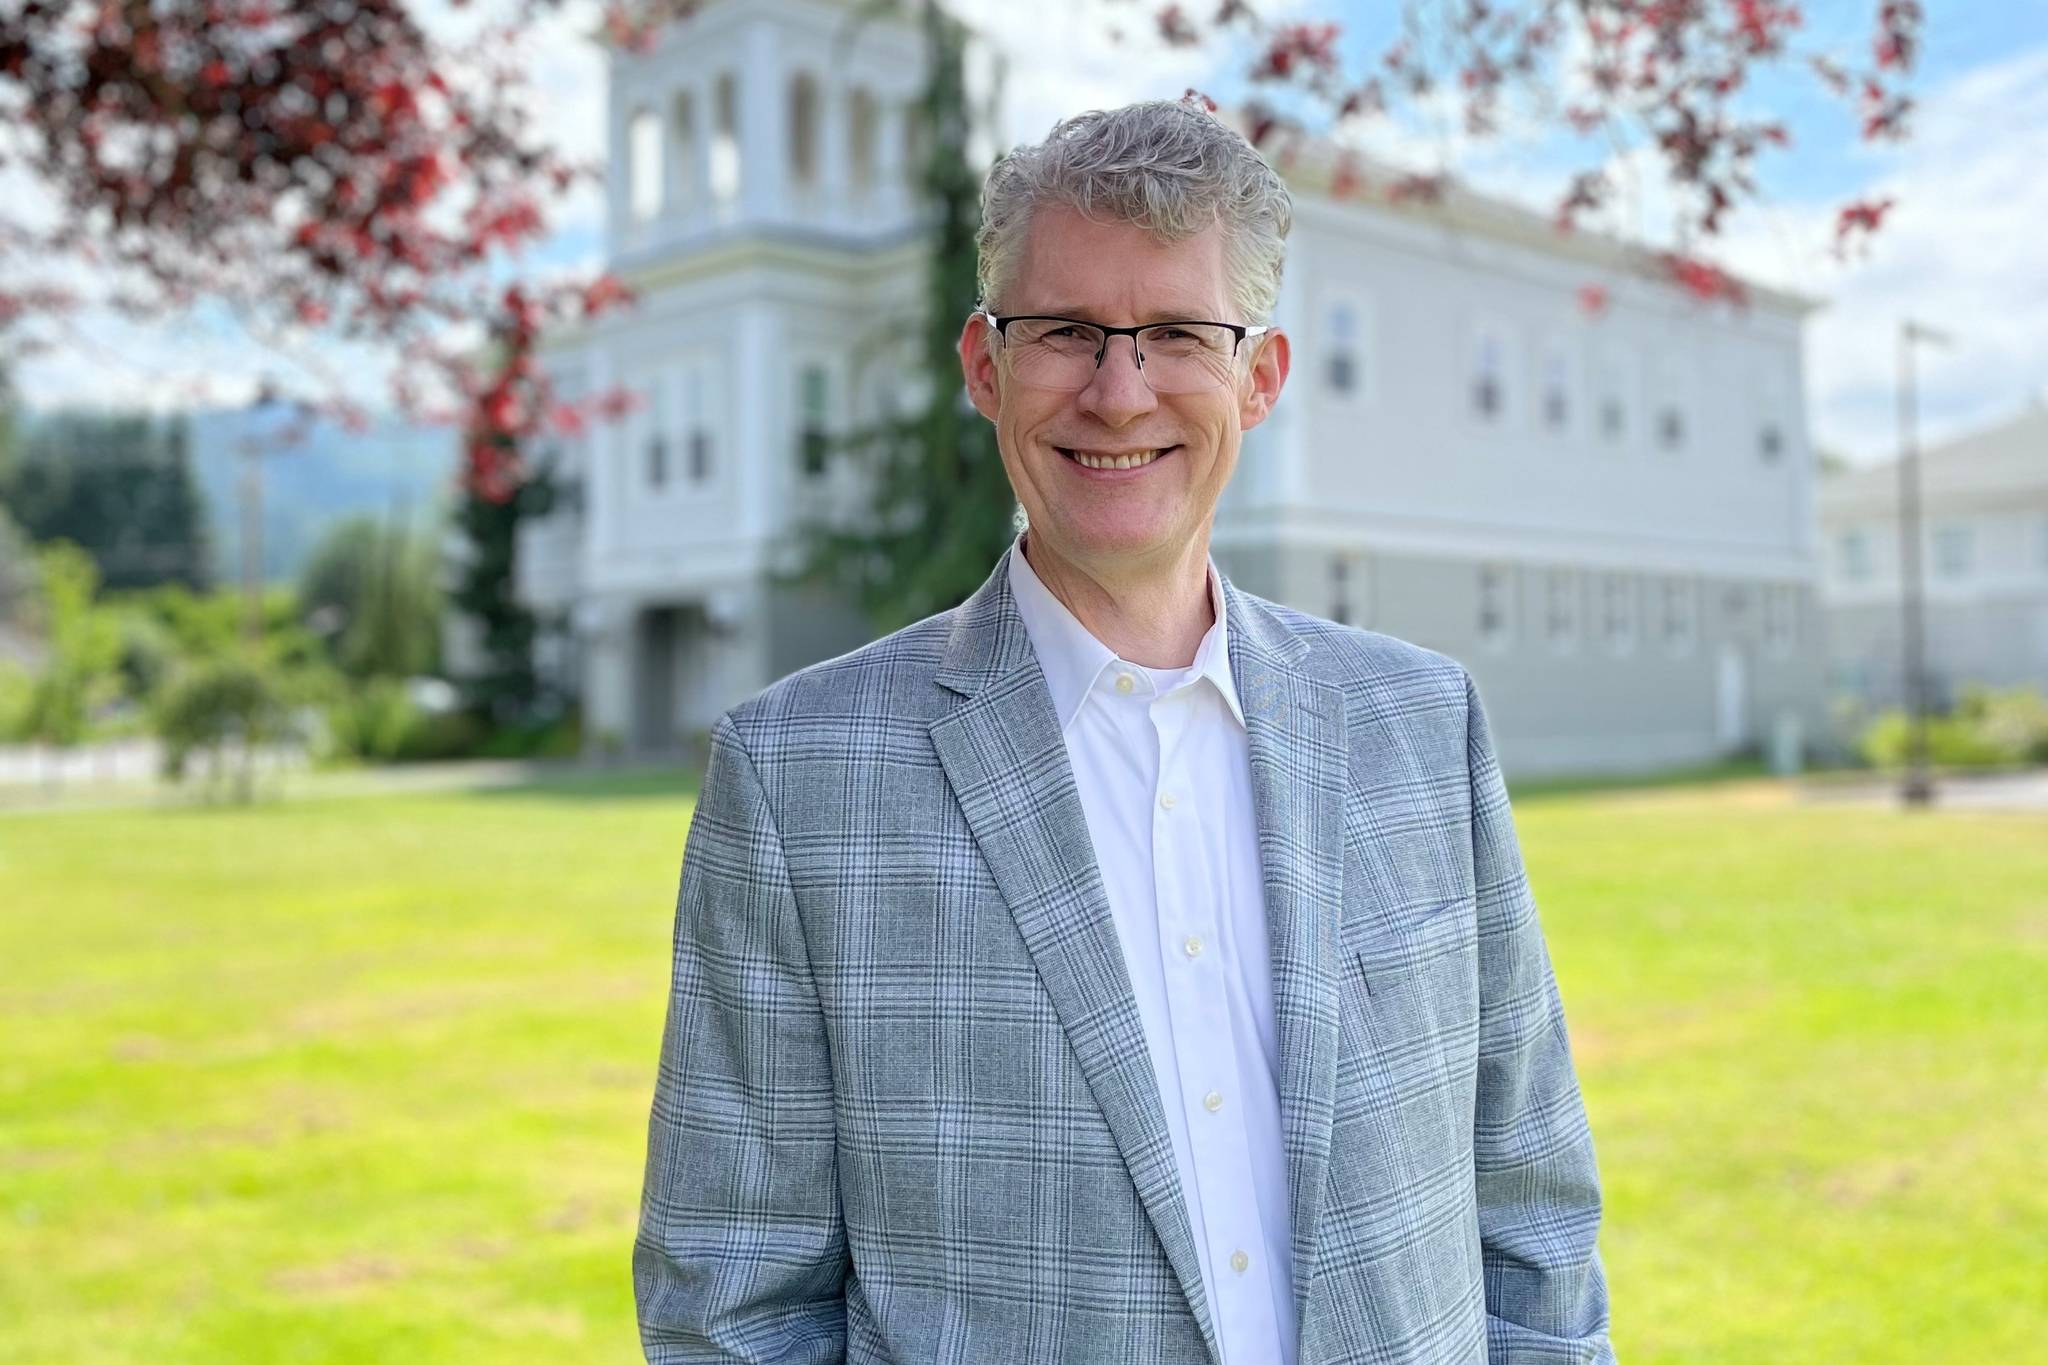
(1390, 956)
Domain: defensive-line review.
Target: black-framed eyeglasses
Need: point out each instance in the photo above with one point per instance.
(1062, 354)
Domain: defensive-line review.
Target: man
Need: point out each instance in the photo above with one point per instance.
(1118, 967)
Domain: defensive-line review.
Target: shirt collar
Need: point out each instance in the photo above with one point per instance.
(1073, 659)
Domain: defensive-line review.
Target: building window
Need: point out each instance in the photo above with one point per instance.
(1953, 547)
(1681, 616)
(1618, 612)
(725, 139)
(1671, 418)
(683, 128)
(1781, 607)
(1770, 443)
(814, 441)
(1561, 609)
(655, 447)
(1557, 388)
(1671, 426)
(643, 165)
(1496, 621)
(1350, 590)
(1735, 607)
(916, 145)
(1489, 375)
(803, 129)
(1345, 364)
(862, 125)
(1613, 404)
(1852, 550)
(698, 455)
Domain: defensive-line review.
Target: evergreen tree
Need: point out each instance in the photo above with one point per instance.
(938, 505)
(119, 486)
(503, 686)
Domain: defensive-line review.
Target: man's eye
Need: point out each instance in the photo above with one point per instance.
(1064, 333)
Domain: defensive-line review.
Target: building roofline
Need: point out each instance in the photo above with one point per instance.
(1312, 168)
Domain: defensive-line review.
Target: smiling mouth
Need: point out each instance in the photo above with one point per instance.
(1136, 459)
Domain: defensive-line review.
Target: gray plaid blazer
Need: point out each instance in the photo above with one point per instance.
(905, 1111)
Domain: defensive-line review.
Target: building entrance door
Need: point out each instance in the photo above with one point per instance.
(654, 682)
(1732, 699)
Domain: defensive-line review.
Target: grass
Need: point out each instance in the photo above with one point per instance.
(366, 1079)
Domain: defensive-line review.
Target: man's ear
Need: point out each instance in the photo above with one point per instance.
(1268, 375)
(978, 364)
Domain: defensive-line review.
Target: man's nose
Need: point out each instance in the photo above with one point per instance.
(1119, 391)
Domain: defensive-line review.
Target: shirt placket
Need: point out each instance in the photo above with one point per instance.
(1192, 948)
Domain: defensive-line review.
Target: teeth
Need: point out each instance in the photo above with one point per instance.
(1115, 461)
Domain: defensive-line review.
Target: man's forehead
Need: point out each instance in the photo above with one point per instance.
(1106, 272)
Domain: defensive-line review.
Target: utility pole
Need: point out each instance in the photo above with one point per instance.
(252, 544)
(267, 439)
(1918, 787)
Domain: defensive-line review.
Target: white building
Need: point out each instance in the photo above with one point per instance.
(1983, 567)
(1607, 514)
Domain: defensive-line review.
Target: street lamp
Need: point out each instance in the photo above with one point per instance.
(1918, 787)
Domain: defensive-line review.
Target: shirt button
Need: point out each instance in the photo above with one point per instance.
(1166, 801)
(1125, 682)
(1212, 1102)
(1240, 1262)
(1192, 946)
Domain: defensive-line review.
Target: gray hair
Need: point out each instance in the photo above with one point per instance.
(1170, 168)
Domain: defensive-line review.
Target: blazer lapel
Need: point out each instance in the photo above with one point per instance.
(1299, 741)
(1006, 759)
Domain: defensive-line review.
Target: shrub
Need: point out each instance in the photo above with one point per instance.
(1986, 729)
(236, 701)
(379, 722)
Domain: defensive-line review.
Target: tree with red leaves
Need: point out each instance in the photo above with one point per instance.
(335, 164)
(328, 163)
(1661, 76)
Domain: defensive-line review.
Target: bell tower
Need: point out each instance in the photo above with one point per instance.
(764, 117)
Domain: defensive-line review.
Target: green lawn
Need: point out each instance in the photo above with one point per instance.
(365, 1080)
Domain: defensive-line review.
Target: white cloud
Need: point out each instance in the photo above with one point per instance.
(1963, 250)
(208, 357)
(1060, 58)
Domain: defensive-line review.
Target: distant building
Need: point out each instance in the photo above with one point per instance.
(1983, 566)
(1606, 512)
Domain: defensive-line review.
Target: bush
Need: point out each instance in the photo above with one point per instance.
(371, 721)
(17, 693)
(235, 701)
(379, 722)
(561, 737)
(1987, 729)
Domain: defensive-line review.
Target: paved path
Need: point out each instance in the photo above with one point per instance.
(1957, 791)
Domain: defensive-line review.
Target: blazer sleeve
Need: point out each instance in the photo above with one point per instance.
(741, 1253)
(1538, 1190)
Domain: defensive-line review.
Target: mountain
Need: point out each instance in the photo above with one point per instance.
(315, 472)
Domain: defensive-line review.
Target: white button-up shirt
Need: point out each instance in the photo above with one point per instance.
(1164, 770)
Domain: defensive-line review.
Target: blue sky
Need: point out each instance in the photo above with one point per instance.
(1965, 248)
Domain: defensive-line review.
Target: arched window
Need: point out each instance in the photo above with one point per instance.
(803, 130)
(1557, 386)
(916, 144)
(725, 139)
(1489, 374)
(1343, 355)
(643, 165)
(683, 128)
(862, 124)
